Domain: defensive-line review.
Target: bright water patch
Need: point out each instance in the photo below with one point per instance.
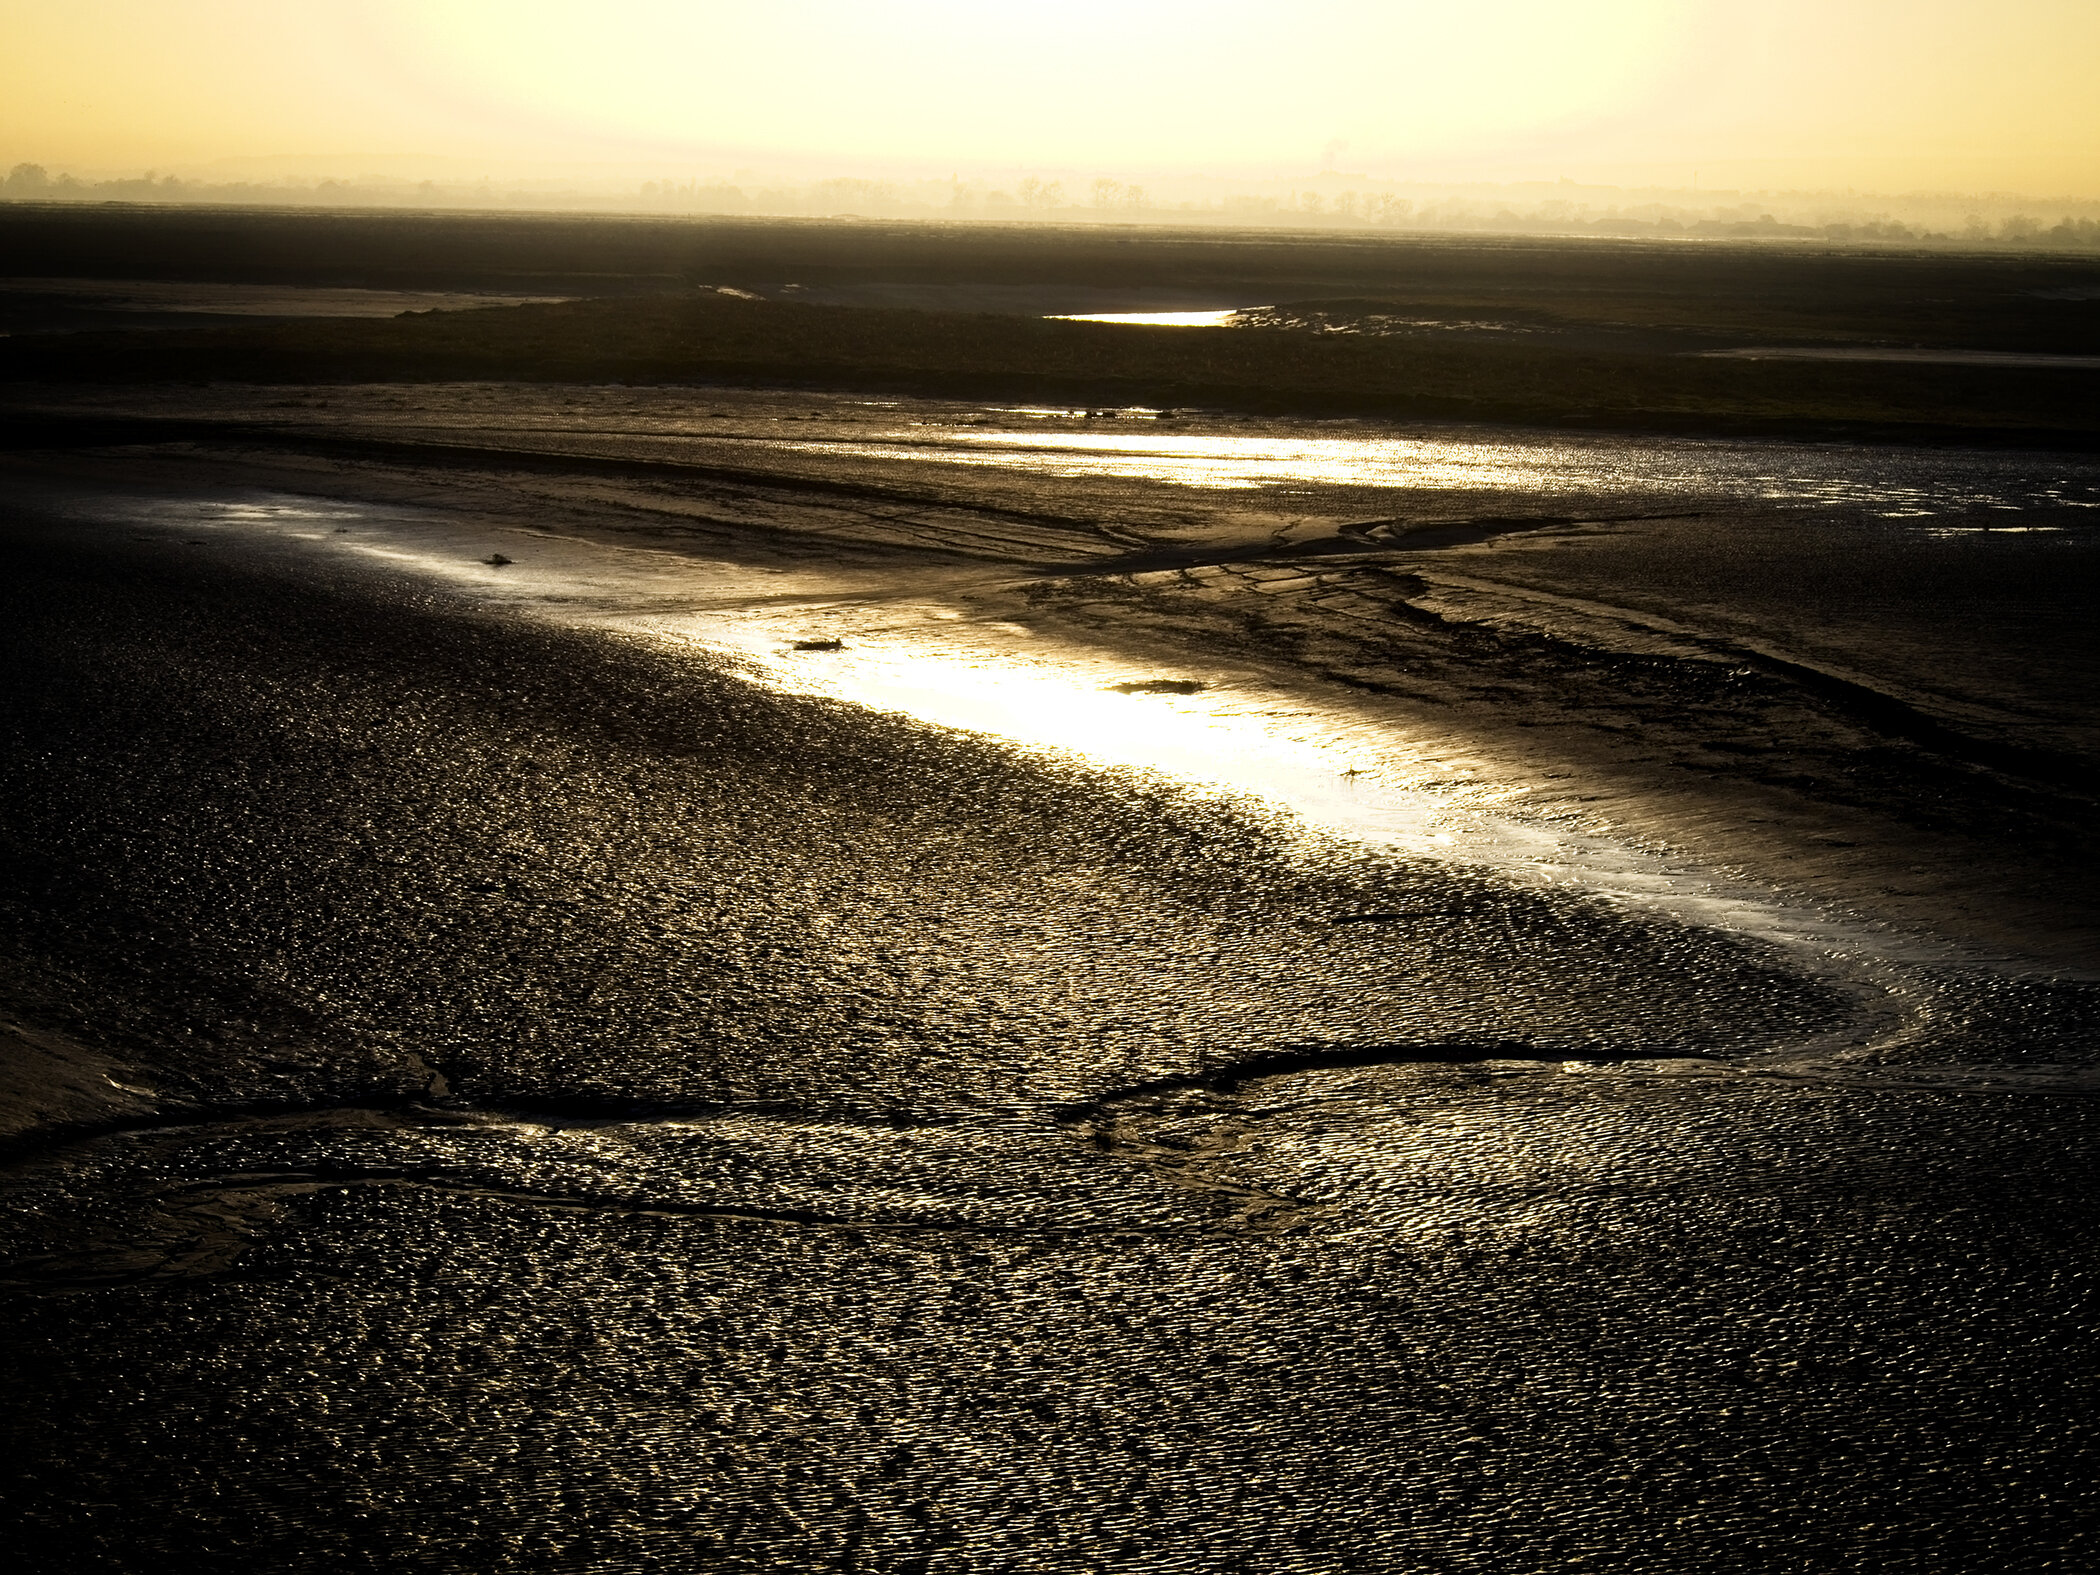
(1340, 774)
(1894, 482)
(1222, 319)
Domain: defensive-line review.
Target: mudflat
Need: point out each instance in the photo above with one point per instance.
(707, 977)
(1606, 336)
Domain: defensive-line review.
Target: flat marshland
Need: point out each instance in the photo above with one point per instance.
(1619, 336)
(761, 905)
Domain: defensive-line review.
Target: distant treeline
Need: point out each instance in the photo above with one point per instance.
(1521, 211)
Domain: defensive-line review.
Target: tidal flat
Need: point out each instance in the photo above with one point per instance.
(699, 977)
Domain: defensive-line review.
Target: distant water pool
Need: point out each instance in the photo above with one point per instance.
(1159, 319)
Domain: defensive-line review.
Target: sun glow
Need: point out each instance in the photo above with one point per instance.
(1926, 94)
(1152, 80)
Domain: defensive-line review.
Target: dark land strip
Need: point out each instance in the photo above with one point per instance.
(1680, 293)
(707, 338)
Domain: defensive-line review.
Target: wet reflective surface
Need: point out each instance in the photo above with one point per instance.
(1894, 482)
(1157, 319)
(1431, 466)
(626, 1059)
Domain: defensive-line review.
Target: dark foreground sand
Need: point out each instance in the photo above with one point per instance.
(490, 1092)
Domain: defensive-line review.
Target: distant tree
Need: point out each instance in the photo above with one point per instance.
(27, 180)
(1041, 194)
(1106, 192)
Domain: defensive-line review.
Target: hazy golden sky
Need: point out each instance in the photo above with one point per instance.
(1876, 94)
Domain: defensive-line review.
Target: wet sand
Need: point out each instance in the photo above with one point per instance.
(1857, 677)
(584, 1090)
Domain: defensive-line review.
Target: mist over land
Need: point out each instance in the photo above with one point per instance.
(1322, 202)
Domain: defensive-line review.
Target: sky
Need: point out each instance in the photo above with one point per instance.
(1873, 95)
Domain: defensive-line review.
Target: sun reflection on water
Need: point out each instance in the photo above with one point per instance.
(1889, 482)
(1221, 319)
(1341, 777)
(1339, 772)
(1224, 461)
